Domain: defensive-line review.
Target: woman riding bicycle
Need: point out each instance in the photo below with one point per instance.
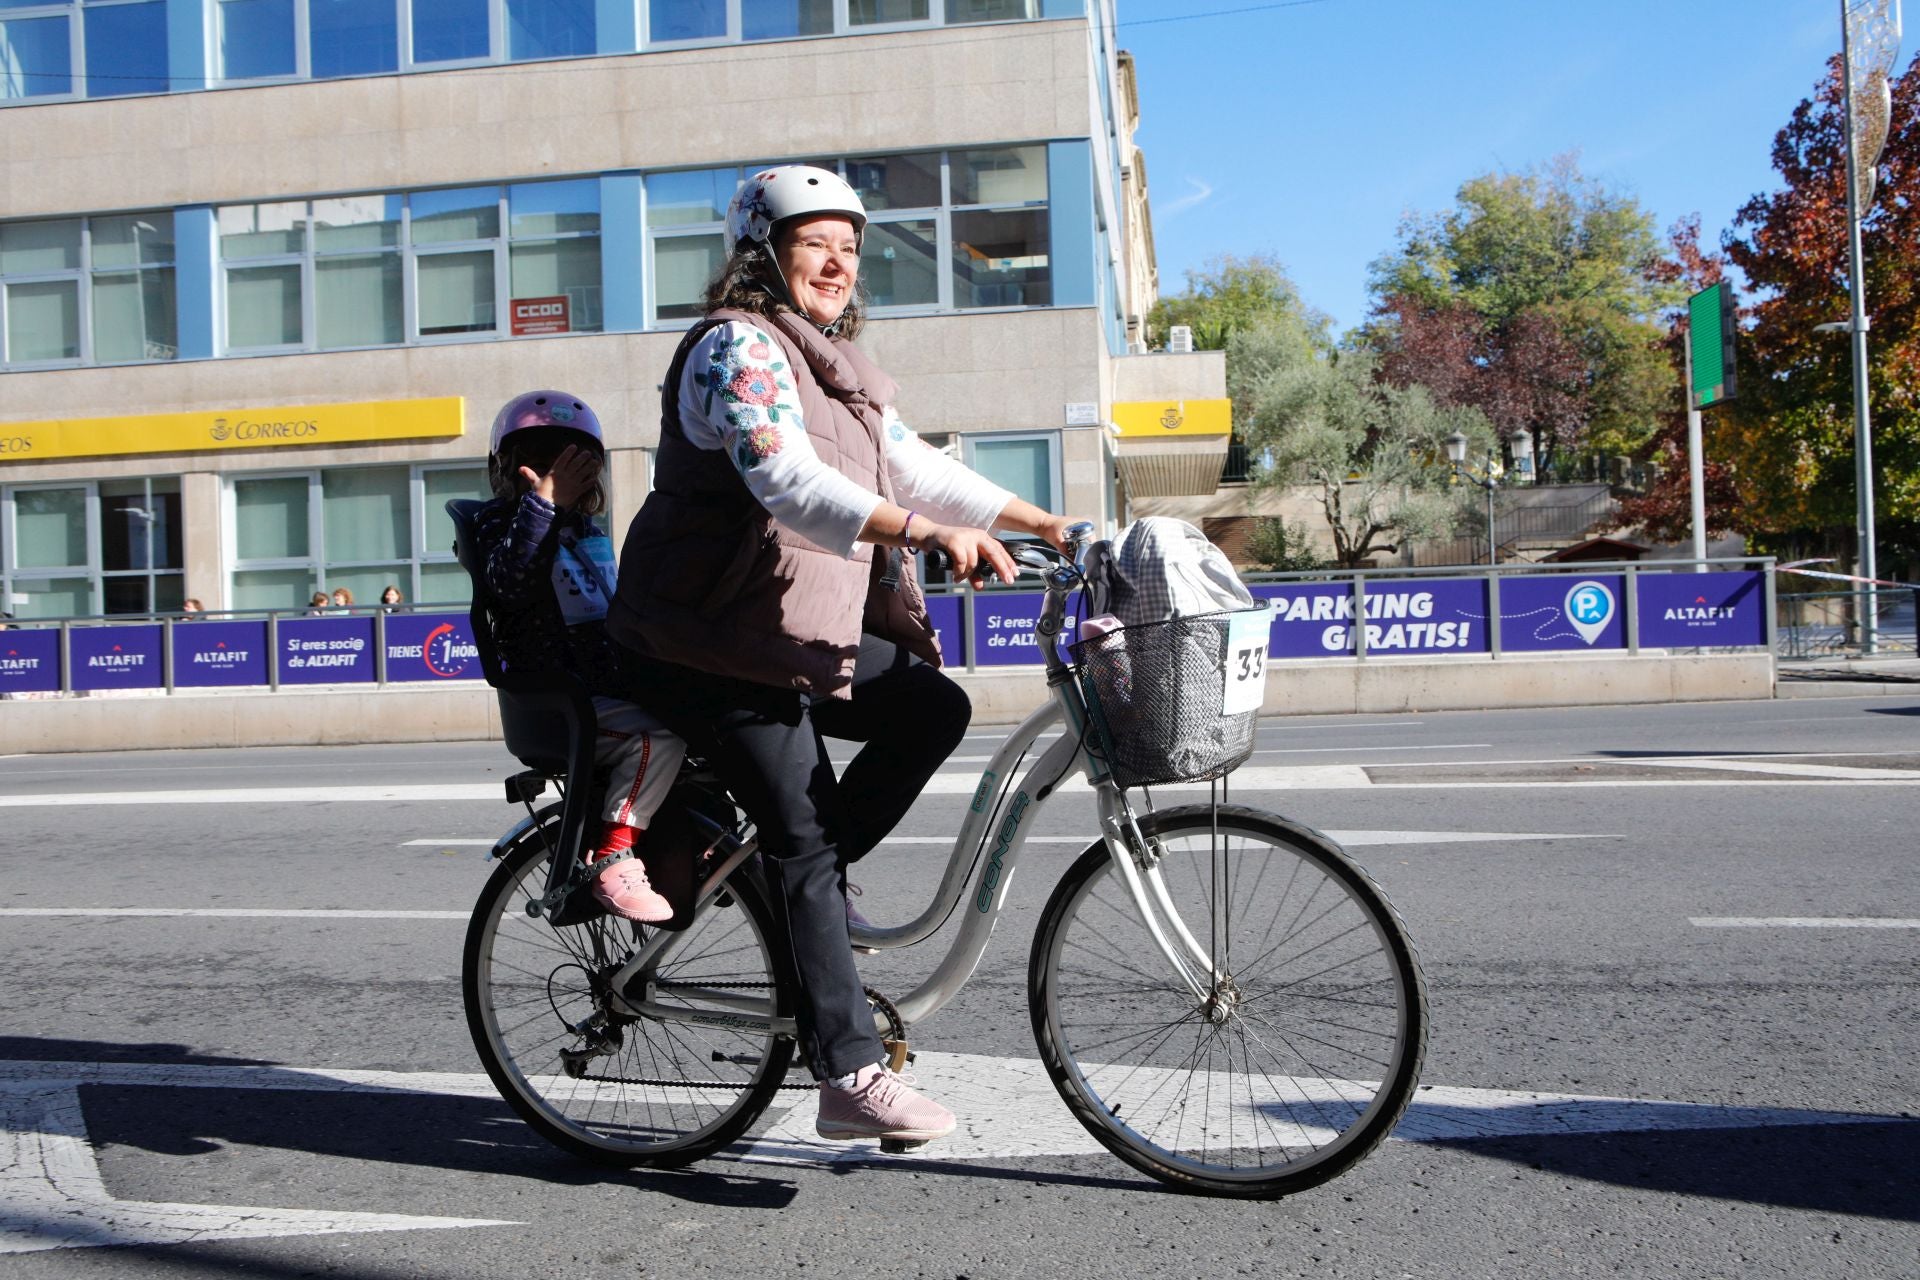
(762, 588)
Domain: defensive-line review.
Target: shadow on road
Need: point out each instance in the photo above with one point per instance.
(1863, 1169)
(432, 1131)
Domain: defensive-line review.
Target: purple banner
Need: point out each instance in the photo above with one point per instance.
(1702, 610)
(1561, 611)
(1429, 615)
(944, 613)
(116, 657)
(215, 654)
(29, 661)
(1003, 625)
(325, 650)
(431, 646)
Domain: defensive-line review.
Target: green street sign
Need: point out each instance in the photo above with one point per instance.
(1710, 330)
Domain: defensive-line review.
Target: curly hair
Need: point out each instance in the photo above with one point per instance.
(746, 283)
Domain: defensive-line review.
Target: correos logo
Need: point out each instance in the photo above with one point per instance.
(292, 429)
(16, 444)
(219, 429)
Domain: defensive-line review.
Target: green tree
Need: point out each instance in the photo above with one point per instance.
(1228, 294)
(1523, 254)
(1374, 453)
(1283, 546)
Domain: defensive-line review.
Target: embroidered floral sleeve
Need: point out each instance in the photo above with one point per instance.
(933, 484)
(739, 395)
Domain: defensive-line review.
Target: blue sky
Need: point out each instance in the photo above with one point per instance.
(1306, 131)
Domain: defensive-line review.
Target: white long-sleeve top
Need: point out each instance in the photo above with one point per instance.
(738, 394)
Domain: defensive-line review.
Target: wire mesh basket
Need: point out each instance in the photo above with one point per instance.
(1154, 693)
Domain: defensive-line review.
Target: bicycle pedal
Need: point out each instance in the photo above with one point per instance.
(898, 1055)
(901, 1146)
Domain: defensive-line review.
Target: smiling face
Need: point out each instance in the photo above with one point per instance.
(820, 259)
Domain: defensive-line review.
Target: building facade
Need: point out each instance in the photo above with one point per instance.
(267, 267)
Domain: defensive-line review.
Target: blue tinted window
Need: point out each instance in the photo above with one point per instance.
(352, 37)
(695, 195)
(779, 19)
(449, 30)
(686, 19)
(549, 28)
(34, 58)
(256, 38)
(552, 208)
(127, 49)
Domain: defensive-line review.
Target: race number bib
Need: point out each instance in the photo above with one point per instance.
(583, 577)
(1246, 682)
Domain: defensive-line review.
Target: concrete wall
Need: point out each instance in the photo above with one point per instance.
(469, 713)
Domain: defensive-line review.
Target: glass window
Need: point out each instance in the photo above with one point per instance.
(900, 263)
(270, 519)
(960, 11)
(134, 316)
(897, 182)
(1003, 175)
(356, 301)
(50, 528)
(693, 195)
(38, 59)
(261, 230)
(450, 30)
(553, 208)
(52, 598)
(355, 222)
(682, 266)
(442, 217)
(352, 37)
(863, 13)
(273, 588)
(126, 48)
(1000, 258)
(445, 584)
(549, 28)
(257, 39)
(454, 292)
(364, 512)
(140, 524)
(263, 307)
(686, 20)
(440, 486)
(567, 269)
(43, 321)
(1024, 466)
(132, 241)
(783, 19)
(30, 247)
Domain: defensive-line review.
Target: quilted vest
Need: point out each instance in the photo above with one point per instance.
(709, 580)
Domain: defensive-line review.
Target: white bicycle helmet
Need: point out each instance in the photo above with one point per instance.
(771, 196)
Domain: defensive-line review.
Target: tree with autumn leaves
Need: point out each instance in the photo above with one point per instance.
(1790, 434)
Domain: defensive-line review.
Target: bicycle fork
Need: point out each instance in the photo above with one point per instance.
(1138, 866)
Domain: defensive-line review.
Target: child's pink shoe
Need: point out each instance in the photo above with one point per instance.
(622, 888)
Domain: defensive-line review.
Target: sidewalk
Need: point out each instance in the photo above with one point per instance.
(1841, 677)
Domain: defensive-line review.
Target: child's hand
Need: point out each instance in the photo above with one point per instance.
(572, 474)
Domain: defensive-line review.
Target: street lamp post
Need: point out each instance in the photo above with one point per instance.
(1488, 477)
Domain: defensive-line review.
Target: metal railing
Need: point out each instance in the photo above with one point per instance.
(1825, 624)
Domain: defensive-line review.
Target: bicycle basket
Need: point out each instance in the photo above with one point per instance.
(1154, 693)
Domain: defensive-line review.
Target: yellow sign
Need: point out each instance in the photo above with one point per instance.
(223, 429)
(1138, 418)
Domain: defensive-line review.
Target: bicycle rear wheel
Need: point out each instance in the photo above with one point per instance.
(604, 1084)
(1302, 1047)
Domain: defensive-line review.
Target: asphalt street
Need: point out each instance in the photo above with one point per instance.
(1670, 950)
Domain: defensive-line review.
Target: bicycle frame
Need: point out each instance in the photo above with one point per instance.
(980, 868)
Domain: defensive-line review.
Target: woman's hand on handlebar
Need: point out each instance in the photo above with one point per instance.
(973, 553)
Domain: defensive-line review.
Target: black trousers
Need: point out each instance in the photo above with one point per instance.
(768, 745)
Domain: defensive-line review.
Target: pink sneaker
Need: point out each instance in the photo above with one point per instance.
(622, 888)
(881, 1105)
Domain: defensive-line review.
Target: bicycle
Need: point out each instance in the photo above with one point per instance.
(1221, 996)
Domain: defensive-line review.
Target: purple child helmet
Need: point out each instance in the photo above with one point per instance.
(546, 409)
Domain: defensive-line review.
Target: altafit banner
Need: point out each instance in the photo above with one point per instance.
(1702, 610)
(1556, 612)
(1003, 625)
(325, 650)
(29, 661)
(431, 646)
(126, 657)
(1433, 615)
(219, 654)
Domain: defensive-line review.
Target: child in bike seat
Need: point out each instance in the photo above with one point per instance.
(549, 569)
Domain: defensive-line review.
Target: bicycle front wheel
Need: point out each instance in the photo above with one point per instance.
(1291, 1045)
(599, 1081)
